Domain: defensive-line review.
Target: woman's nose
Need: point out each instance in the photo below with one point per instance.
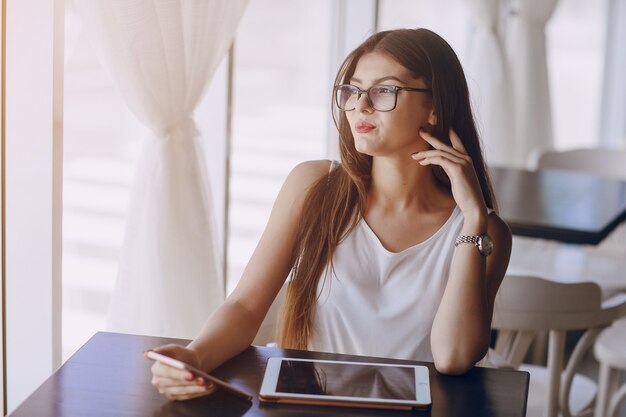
(363, 103)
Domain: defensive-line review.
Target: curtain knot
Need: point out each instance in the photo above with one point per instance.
(183, 129)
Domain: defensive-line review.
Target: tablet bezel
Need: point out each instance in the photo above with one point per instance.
(268, 391)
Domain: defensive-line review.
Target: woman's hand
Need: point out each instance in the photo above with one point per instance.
(179, 384)
(459, 168)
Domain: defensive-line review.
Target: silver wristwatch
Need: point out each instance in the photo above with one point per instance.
(482, 242)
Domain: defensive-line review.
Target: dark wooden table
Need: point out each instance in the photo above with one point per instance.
(109, 377)
(559, 205)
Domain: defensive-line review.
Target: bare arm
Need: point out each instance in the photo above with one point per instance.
(462, 325)
(233, 326)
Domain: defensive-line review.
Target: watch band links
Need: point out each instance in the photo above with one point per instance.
(465, 239)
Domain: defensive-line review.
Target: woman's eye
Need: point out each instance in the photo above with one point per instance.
(385, 90)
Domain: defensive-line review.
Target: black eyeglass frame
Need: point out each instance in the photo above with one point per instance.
(360, 92)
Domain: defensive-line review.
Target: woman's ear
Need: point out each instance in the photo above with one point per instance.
(432, 118)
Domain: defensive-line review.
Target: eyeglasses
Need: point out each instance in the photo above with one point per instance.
(379, 97)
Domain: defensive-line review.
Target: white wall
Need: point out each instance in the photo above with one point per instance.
(33, 195)
(2, 226)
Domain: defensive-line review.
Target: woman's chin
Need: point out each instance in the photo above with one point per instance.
(366, 151)
(365, 147)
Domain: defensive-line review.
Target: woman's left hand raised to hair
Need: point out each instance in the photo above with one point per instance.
(460, 169)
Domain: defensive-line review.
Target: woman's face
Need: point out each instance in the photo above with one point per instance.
(395, 132)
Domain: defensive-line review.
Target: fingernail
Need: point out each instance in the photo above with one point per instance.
(415, 155)
(189, 377)
(200, 381)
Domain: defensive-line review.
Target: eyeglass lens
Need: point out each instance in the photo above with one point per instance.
(381, 98)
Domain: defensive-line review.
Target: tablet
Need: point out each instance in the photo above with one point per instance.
(352, 384)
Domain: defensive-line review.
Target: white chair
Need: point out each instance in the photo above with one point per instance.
(528, 305)
(604, 162)
(610, 351)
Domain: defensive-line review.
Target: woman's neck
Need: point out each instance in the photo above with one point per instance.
(406, 185)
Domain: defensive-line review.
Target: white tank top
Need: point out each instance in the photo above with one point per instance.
(381, 303)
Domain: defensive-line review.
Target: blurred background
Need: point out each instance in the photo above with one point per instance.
(281, 116)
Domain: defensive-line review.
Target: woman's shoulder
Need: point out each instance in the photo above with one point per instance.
(308, 173)
(301, 178)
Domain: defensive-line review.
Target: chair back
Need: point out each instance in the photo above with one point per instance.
(526, 303)
(610, 163)
(526, 306)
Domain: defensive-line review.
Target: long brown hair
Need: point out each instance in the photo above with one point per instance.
(336, 203)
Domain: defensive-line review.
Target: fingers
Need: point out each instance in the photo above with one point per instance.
(459, 168)
(164, 371)
(437, 155)
(456, 149)
(172, 350)
(175, 383)
(456, 141)
(442, 154)
(186, 392)
(452, 165)
(452, 159)
(175, 388)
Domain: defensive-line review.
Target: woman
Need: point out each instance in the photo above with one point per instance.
(395, 251)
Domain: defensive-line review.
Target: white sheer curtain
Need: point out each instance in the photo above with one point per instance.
(613, 115)
(526, 51)
(162, 54)
(490, 82)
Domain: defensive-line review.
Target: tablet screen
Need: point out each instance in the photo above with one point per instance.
(346, 380)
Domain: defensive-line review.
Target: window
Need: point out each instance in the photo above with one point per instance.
(575, 51)
(447, 18)
(281, 109)
(576, 37)
(101, 143)
(282, 85)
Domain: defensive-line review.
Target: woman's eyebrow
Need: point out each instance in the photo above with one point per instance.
(379, 80)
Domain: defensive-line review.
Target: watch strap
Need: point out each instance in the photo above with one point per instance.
(466, 239)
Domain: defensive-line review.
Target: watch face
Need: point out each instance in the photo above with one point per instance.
(485, 245)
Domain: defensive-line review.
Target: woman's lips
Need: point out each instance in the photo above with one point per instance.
(364, 127)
